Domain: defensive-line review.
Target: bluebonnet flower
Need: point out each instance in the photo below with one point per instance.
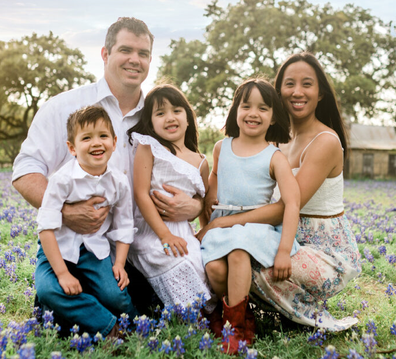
(178, 346)
(27, 351)
(57, 355)
(37, 312)
(356, 312)
(75, 329)
(144, 325)
(316, 314)
(206, 342)
(370, 343)
(190, 314)
(166, 315)
(382, 250)
(371, 327)
(393, 328)
(368, 255)
(9, 256)
(390, 290)
(48, 319)
(318, 338)
(364, 304)
(251, 354)
(200, 301)
(341, 304)
(242, 348)
(353, 354)
(203, 324)
(2, 308)
(331, 353)
(98, 337)
(227, 331)
(152, 343)
(124, 323)
(357, 287)
(81, 343)
(190, 332)
(166, 347)
(391, 258)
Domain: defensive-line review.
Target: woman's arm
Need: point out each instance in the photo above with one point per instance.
(143, 165)
(290, 193)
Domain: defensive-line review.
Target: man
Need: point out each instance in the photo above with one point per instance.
(126, 56)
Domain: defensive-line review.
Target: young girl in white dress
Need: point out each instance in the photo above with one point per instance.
(165, 146)
(245, 170)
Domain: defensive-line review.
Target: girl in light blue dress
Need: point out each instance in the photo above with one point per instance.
(245, 170)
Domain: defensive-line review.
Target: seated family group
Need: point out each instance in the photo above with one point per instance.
(119, 177)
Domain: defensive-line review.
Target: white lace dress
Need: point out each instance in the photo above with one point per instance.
(174, 279)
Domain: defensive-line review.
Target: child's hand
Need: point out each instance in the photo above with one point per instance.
(282, 266)
(120, 275)
(175, 244)
(70, 284)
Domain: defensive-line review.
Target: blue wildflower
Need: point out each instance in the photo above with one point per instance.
(330, 353)
(190, 332)
(393, 328)
(124, 323)
(251, 354)
(98, 337)
(353, 354)
(206, 342)
(152, 343)
(57, 355)
(371, 327)
(242, 348)
(227, 331)
(27, 351)
(370, 344)
(318, 338)
(166, 347)
(178, 346)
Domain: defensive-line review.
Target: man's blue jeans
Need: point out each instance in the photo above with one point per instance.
(95, 309)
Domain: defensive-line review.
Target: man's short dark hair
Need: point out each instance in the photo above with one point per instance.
(136, 26)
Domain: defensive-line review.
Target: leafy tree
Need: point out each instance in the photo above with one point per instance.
(32, 70)
(256, 36)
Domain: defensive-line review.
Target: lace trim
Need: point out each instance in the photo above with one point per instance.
(179, 165)
(180, 285)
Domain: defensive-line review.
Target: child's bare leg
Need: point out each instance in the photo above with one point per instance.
(217, 272)
(239, 276)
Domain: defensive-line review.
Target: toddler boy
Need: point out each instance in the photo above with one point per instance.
(75, 276)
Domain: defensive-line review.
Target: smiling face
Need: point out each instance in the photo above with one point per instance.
(170, 122)
(127, 62)
(93, 146)
(300, 90)
(254, 116)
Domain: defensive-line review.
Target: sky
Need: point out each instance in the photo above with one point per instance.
(83, 23)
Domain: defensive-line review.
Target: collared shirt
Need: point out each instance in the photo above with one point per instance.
(44, 150)
(72, 184)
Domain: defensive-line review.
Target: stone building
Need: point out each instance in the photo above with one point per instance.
(372, 152)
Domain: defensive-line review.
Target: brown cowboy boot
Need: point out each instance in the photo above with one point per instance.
(215, 320)
(236, 316)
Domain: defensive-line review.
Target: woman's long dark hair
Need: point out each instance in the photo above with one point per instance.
(277, 132)
(157, 96)
(327, 111)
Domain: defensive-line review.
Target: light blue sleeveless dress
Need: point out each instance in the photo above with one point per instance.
(244, 181)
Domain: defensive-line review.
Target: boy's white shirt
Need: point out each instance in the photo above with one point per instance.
(72, 184)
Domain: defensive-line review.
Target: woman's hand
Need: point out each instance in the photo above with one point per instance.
(174, 244)
(120, 275)
(282, 266)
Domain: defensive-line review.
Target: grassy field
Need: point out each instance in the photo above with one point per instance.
(371, 208)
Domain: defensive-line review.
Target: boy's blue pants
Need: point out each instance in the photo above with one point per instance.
(95, 309)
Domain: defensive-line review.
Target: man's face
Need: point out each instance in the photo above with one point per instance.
(127, 65)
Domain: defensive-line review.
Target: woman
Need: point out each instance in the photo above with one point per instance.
(329, 257)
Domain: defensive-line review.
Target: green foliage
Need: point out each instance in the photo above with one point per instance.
(32, 70)
(255, 37)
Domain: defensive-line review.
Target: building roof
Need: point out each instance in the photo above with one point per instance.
(372, 137)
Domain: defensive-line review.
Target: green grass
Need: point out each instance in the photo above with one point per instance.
(368, 204)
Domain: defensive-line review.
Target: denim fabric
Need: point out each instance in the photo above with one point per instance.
(95, 309)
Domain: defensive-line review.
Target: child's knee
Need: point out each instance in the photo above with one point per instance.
(238, 256)
(217, 269)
